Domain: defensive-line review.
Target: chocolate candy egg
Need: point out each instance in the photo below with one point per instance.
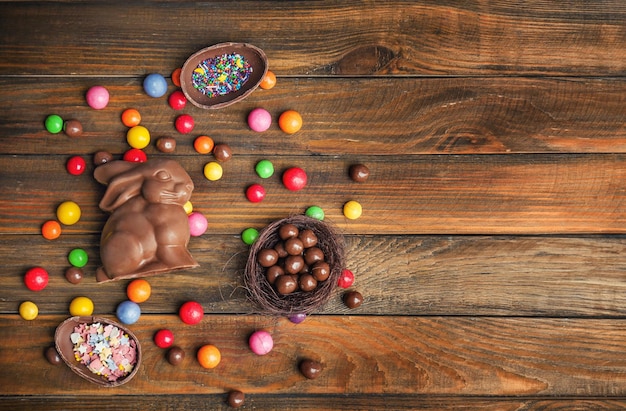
(175, 355)
(52, 355)
(311, 369)
(267, 257)
(74, 275)
(320, 270)
(102, 157)
(352, 299)
(236, 399)
(359, 173)
(73, 128)
(273, 273)
(293, 264)
(287, 231)
(222, 152)
(286, 284)
(294, 246)
(313, 255)
(307, 283)
(166, 144)
(280, 249)
(308, 238)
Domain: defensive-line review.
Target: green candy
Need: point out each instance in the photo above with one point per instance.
(315, 212)
(264, 168)
(78, 257)
(54, 123)
(249, 235)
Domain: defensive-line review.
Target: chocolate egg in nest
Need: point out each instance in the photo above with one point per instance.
(315, 267)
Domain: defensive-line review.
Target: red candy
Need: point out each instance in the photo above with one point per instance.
(135, 155)
(184, 124)
(76, 165)
(255, 193)
(294, 179)
(36, 279)
(164, 338)
(177, 100)
(346, 279)
(191, 312)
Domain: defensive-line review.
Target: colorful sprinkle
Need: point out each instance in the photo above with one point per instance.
(221, 75)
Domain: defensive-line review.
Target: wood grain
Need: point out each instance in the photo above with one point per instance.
(348, 116)
(320, 38)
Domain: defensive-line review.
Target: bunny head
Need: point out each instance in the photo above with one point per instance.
(159, 181)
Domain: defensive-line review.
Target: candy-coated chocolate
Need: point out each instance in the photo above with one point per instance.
(176, 76)
(294, 179)
(175, 355)
(213, 171)
(155, 85)
(259, 120)
(209, 356)
(297, 318)
(76, 165)
(269, 80)
(164, 338)
(128, 312)
(267, 257)
(138, 137)
(191, 312)
(313, 255)
(222, 152)
(255, 193)
(286, 284)
(138, 290)
(203, 144)
(264, 169)
(308, 238)
(287, 231)
(73, 128)
(81, 307)
(36, 278)
(184, 124)
(352, 299)
(51, 230)
(74, 275)
(177, 100)
(320, 270)
(28, 310)
(78, 257)
(235, 399)
(97, 97)
(311, 369)
(52, 355)
(294, 246)
(102, 157)
(68, 213)
(135, 155)
(315, 212)
(198, 224)
(54, 123)
(352, 210)
(294, 264)
(131, 117)
(346, 279)
(166, 144)
(290, 121)
(307, 282)
(261, 342)
(249, 235)
(273, 272)
(359, 173)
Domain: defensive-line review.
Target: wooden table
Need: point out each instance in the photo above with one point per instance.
(490, 252)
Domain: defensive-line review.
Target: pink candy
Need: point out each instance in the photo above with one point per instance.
(261, 342)
(97, 97)
(259, 119)
(198, 224)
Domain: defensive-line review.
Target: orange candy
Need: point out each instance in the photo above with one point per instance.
(138, 290)
(203, 144)
(290, 121)
(176, 77)
(209, 356)
(51, 230)
(268, 81)
(131, 117)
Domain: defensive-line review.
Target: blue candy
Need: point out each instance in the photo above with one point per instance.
(155, 85)
(128, 312)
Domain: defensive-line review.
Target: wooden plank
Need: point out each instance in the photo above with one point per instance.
(509, 194)
(397, 275)
(461, 356)
(381, 116)
(320, 38)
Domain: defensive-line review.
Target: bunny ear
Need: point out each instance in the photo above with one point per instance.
(124, 182)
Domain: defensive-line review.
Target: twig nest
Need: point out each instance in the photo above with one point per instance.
(223, 74)
(311, 259)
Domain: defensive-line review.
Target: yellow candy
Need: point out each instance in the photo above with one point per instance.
(68, 213)
(81, 306)
(213, 171)
(188, 207)
(352, 210)
(138, 137)
(28, 310)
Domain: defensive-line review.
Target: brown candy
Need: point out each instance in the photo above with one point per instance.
(311, 369)
(273, 273)
(175, 355)
(287, 231)
(236, 399)
(307, 283)
(74, 275)
(267, 257)
(320, 270)
(52, 355)
(294, 246)
(73, 128)
(280, 249)
(293, 264)
(359, 173)
(222, 152)
(166, 144)
(352, 299)
(286, 284)
(313, 255)
(308, 238)
(102, 157)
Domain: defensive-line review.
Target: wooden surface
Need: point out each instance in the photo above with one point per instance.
(491, 248)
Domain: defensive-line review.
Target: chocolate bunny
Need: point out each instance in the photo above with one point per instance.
(148, 230)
